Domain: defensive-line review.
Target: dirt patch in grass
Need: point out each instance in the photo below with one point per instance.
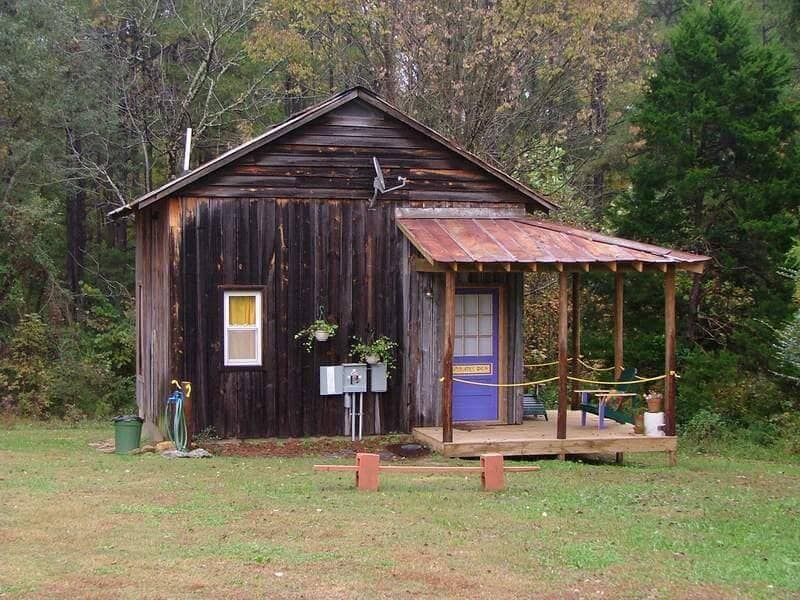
(390, 448)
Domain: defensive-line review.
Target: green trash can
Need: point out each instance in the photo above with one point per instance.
(127, 433)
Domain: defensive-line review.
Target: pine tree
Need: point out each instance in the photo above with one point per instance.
(717, 168)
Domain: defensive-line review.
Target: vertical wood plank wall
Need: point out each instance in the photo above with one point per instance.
(293, 219)
(152, 311)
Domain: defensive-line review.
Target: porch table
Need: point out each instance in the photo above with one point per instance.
(602, 398)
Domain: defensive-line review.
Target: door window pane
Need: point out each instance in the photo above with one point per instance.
(470, 325)
(485, 346)
(470, 346)
(470, 304)
(485, 304)
(485, 327)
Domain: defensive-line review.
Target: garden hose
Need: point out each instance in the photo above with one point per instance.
(177, 433)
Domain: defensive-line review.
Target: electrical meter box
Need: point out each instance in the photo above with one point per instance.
(331, 380)
(355, 378)
(378, 377)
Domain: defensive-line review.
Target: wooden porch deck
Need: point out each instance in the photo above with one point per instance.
(538, 437)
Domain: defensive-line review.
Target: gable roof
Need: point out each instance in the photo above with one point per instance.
(303, 117)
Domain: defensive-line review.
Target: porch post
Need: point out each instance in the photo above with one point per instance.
(618, 324)
(563, 358)
(576, 337)
(447, 359)
(669, 350)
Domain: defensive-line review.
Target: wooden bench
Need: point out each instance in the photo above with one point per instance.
(368, 469)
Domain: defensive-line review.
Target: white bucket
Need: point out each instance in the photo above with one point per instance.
(654, 424)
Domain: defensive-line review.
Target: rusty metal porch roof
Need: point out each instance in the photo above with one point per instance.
(510, 239)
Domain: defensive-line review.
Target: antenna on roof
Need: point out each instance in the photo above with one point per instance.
(187, 149)
(379, 184)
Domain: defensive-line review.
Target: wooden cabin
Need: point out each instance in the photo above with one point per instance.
(284, 224)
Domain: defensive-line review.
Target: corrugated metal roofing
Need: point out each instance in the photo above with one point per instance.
(523, 240)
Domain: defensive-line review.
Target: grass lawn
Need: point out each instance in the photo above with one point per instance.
(78, 523)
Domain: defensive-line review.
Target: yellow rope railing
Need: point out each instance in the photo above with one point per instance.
(503, 385)
(570, 359)
(637, 380)
(546, 364)
(598, 369)
(551, 379)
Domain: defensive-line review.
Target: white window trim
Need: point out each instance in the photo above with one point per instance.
(240, 362)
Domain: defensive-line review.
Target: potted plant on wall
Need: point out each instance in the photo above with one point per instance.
(320, 330)
(381, 349)
(653, 399)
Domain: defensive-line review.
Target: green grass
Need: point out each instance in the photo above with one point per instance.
(76, 522)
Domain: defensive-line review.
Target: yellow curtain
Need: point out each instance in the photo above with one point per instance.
(242, 310)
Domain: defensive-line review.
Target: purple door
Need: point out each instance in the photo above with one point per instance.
(475, 354)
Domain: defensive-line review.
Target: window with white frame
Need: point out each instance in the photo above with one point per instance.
(242, 328)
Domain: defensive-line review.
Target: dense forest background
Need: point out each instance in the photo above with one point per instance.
(655, 119)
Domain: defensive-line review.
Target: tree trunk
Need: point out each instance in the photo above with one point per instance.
(75, 225)
(695, 297)
(599, 134)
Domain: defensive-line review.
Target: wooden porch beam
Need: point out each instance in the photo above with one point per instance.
(421, 265)
(576, 337)
(447, 359)
(669, 351)
(694, 267)
(563, 358)
(618, 324)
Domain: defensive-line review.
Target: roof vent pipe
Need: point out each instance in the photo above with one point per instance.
(187, 150)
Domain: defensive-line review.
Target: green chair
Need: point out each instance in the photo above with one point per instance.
(532, 405)
(610, 412)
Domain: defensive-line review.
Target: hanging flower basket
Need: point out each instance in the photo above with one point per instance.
(320, 331)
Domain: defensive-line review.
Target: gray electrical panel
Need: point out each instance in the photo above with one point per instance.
(355, 378)
(378, 377)
(331, 380)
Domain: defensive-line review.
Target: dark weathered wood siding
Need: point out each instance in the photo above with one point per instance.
(152, 310)
(292, 219)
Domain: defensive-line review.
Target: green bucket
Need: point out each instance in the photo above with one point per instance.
(127, 433)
